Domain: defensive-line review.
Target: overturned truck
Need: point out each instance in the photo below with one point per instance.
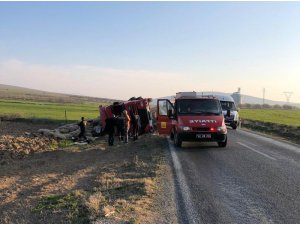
(138, 108)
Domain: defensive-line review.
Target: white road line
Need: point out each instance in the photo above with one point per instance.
(253, 144)
(185, 191)
(246, 146)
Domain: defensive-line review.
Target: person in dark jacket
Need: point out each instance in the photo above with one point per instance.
(82, 126)
(110, 129)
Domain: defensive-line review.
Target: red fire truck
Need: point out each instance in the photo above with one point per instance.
(139, 106)
(192, 118)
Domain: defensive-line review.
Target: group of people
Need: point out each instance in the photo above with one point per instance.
(119, 123)
(122, 123)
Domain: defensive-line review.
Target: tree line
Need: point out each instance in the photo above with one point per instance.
(266, 106)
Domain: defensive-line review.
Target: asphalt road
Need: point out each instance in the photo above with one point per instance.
(253, 180)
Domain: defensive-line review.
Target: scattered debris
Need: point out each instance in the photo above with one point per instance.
(71, 131)
(80, 143)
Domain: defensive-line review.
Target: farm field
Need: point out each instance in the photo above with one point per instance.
(43, 110)
(279, 116)
(25, 94)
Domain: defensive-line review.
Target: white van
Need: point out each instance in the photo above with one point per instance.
(230, 111)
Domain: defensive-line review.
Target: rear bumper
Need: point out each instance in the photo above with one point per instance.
(191, 136)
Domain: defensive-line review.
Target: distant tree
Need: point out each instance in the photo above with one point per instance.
(247, 105)
(277, 106)
(287, 107)
(257, 106)
(266, 106)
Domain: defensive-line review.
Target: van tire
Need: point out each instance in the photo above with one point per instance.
(177, 141)
(222, 144)
(234, 126)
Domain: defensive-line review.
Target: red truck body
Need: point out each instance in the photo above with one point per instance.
(192, 118)
(139, 106)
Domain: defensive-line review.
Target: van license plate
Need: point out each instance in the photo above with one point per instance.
(203, 135)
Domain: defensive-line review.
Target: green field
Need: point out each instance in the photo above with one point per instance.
(56, 111)
(280, 116)
(53, 111)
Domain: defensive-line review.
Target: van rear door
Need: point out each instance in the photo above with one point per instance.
(164, 109)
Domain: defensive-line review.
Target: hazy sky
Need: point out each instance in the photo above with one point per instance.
(152, 49)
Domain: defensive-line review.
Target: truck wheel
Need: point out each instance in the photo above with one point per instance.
(223, 144)
(177, 140)
(172, 136)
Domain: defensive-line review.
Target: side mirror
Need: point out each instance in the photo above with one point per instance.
(238, 109)
(228, 113)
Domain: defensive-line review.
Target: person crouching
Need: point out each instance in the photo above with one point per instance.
(82, 126)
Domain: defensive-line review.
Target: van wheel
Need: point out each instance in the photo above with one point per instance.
(222, 144)
(234, 126)
(177, 140)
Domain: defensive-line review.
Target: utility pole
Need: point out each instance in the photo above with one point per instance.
(66, 116)
(264, 92)
(288, 95)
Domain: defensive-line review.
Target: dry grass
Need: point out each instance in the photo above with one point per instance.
(94, 184)
(127, 192)
(94, 202)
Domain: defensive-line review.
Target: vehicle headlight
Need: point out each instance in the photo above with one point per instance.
(236, 117)
(185, 128)
(222, 129)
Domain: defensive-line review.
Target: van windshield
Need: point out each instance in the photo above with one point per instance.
(228, 105)
(198, 107)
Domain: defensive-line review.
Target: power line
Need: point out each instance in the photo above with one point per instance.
(288, 95)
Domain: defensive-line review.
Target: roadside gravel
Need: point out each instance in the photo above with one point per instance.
(165, 202)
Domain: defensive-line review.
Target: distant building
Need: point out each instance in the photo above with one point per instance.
(237, 97)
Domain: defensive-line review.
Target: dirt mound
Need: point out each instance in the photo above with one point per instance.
(19, 139)
(18, 147)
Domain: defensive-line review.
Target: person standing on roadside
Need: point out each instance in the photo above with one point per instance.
(110, 129)
(134, 124)
(82, 126)
(126, 125)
